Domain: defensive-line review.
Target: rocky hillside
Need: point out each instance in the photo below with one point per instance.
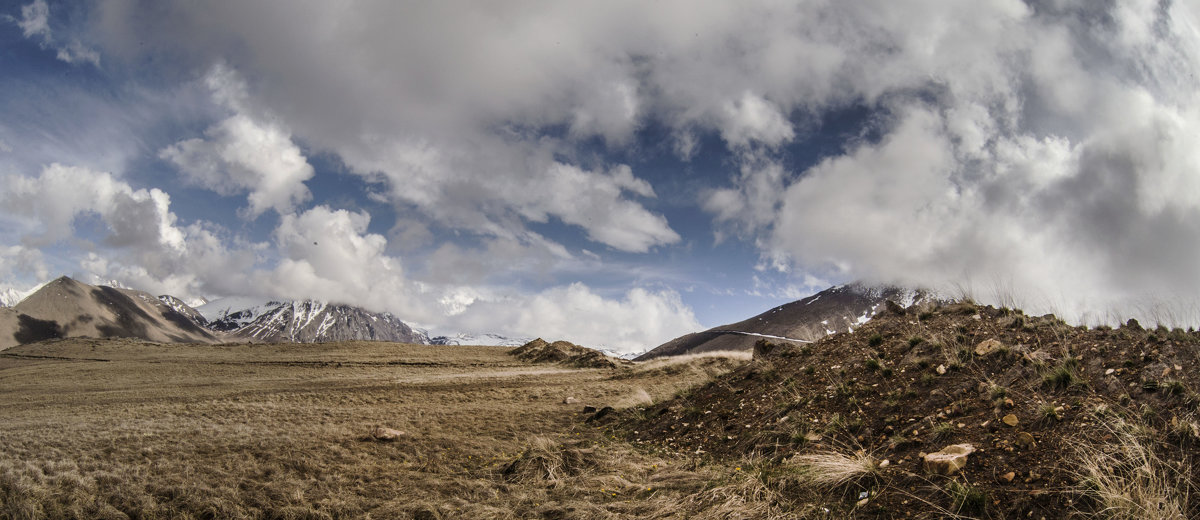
(837, 309)
(307, 321)
(184, 309)
(69, 308)
(566, 353)
(955, 411)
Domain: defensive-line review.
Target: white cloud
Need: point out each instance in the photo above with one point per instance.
(35, 23)
(242, 154)
(22, 263)
(35, 19)
(50, 203)
(638, 321)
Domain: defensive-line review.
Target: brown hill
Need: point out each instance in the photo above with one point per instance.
(837, 309)
(1063, 421)
(565, 353)
(68, 308)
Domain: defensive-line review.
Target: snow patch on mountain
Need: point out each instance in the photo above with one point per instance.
(486, 340)
(305, 321)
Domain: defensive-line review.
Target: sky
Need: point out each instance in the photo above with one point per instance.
(616, 173)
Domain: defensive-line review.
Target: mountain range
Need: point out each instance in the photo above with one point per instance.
(68, 308)
(305, 321)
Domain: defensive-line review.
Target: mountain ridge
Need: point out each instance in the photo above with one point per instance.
(841, 308)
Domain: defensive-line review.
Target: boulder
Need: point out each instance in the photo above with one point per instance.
(381, 433)
(949, 460)
(988, 346)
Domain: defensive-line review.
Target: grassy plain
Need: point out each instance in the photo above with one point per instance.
(126, 429)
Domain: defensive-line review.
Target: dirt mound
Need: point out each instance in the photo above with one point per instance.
(1062, 420)
(565, 353)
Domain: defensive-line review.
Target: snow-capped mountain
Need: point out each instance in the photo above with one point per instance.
(183, 308)
(837, 309)
(11, 296)
(487, 340)
(304, 321)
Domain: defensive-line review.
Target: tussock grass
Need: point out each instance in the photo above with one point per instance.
(833, 468)
(1128, 479)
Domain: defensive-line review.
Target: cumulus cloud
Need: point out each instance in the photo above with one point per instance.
(50, 203)
(244, 154)
(35, 24)
(1064, 177)
(1047, 144)
(638, 321)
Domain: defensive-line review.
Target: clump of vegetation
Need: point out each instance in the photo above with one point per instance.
(1063, 375)
(1128, 480)
(875, 340)
(833, 468)
(966, 499)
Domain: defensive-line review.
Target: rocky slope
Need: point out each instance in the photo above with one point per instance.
(184, 309)
(305, 321)
(566, 353)
(837, 309)
(1047, 420)
(69, 308)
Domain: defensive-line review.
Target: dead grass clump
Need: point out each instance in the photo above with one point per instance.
(547, 460)
(834, 468)
(1128, 480)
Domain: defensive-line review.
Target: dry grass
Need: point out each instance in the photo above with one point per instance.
(132, 430)
(835, 467)
(1128, 480)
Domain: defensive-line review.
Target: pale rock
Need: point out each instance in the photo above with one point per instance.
(987, 347)
(949, 460)
(1010, 420)
(381, 433)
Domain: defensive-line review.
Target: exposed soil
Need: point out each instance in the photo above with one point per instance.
(911, 382)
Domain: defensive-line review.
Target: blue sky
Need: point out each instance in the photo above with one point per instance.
(616, 173)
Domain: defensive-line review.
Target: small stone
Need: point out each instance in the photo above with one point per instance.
(862, 502)
(570, 400)
(1008, 477)
(949, 460)
(884, 463)
(941, 370)
(1025, 440)
(1110, 371)
(1008, 402)
(1010, 420)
